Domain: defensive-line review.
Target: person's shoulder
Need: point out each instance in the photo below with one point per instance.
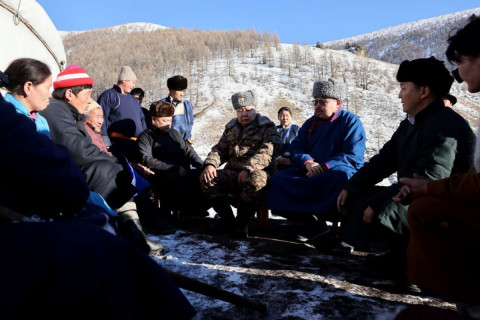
(231, 124)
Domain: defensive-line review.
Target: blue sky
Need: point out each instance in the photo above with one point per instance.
(293, 20)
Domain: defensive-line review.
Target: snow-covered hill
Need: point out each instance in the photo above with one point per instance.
(128, 27)
(417, 39)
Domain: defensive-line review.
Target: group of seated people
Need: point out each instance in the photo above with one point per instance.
(316, 170)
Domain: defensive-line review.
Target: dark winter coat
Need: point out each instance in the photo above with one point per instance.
(100, 169)
(38, 177)
(166, 151)
(122, 113)
(438, 144)
(183, 123)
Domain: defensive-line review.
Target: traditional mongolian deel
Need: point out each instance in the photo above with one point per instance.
(339, 143)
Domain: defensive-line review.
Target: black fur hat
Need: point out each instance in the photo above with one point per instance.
(426, 72)
(177, 83)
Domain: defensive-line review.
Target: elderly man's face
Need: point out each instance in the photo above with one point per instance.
(162, 123)
(127, 85)
(325, 107)
(177, 95)
(96, 119)
(246, 115)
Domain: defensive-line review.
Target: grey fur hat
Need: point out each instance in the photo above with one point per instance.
(243, 99)
(328, 89)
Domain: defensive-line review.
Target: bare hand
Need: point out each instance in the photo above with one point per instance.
(209, 174)
(313, 169)
(341, 201)
(368, 215)
(411, 189)
(242, 176)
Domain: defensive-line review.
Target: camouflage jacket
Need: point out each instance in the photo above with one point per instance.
(253, 148)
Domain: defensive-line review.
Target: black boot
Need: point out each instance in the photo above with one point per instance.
(149, 217)
(131, 230)
(245, 211)
(226, 221)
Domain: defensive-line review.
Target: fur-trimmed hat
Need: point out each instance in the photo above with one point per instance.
(126, 74)
(332, 89)
(426, 72)
(72, 76)
(177, 83)
(162, 109)
(244, 99)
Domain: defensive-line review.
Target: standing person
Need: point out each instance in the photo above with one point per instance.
(433, 141)
(444, 217)
(28, 82)
(104, 174)
(183, 117)
(175, 164)
(55, 266)
(288, 132)
(327, 151)
(139, 94)
(123, 115)
(248, 147)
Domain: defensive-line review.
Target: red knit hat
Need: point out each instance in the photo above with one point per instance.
(72, 76)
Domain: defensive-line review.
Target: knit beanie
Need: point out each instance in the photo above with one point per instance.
(244, 99)
(126, 74)
(426, 72)
(162, 109)
(332, 89)
(72, 76)
(177, 83)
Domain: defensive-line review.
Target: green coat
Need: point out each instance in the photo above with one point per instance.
(439, 143)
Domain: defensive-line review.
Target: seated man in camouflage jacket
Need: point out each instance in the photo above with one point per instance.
(248, 146)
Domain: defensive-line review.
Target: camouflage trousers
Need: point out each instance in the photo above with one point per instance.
(226, 185)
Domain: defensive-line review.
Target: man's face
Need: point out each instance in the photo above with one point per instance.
(162, 123)
(447, 103)
(410, 97)
(81, 100)
(469, 70)
(325, 107)
(127, 85)
(177, 95)
(96, 119)
(246, 115)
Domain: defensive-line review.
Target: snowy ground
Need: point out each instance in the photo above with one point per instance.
(293, 279)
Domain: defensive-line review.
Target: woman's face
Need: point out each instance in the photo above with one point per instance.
(285, 118)
(469, 70)
(38, 95)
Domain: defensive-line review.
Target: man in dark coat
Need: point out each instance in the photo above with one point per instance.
(444, 217)
(63, 268)
(104, 174)
(163, 151)
(433, 141)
